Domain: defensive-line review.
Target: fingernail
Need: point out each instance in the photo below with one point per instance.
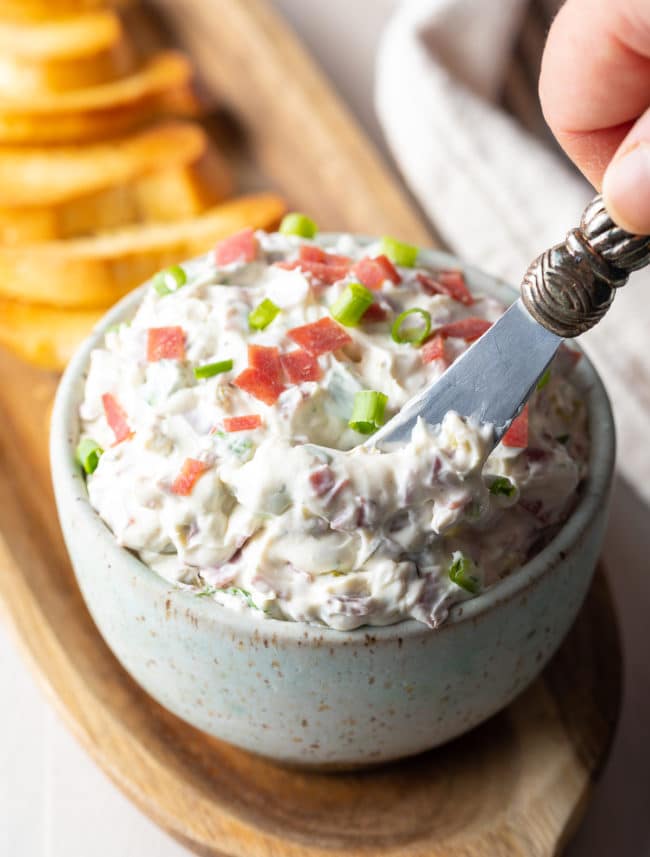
(626, 189)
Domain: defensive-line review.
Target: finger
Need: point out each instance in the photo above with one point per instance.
(595, 78)
(626, 184)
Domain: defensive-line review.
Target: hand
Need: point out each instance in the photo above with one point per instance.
(595, 93)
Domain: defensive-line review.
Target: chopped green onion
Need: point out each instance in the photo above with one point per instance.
(241, 447)
(170, 280)
(88, 454)
(296, 223)
(462, 573)
(349, 307)
(368, 411)
(210, 369)
(503, 487)
(543, 381)
(115, 328)
(263, 315)
(563, 438)
(402, 333)
(208, 592)
(398, 252)
(242, 593)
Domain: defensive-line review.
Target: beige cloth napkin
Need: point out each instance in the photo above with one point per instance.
(497, 194)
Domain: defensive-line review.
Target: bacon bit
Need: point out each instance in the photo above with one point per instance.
(570, 354)
(240, 247)
(537, 455)
(450, 283)
(308, 253)
(244, 423)
(300, 366)
(264, 387)
(322, 480)
(375, 312)
(188, 477)
(116, 418)
(435, 349)
(468, 329)
(320, 336)
(328, 274)
(373, 272)
(266, 360)
(517, 434)
(165, 343)
(328, 268)
(263, 378)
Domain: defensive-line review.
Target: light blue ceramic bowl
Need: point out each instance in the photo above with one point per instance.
(310, 695)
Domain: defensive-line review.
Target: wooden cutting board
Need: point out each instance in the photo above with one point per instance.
(515, 786)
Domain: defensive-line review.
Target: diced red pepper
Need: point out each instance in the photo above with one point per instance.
(266, 360)
(240, 247)
(165, 343)
(517, 434)
(244, 423)
(320, 336)
(375, 312)
(468, 329)
(264, 387)
(191, 471)
(435, 349)
(450, 283)
(300, 365)
(373, 272)
(116, 418)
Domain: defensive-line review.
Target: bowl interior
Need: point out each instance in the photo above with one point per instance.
(70, 484)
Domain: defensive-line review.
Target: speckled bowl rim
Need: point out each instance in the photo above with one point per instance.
(70, 487)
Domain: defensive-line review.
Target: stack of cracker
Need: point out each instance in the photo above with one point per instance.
(105, 177)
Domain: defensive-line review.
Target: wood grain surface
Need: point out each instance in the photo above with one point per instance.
(515, 786)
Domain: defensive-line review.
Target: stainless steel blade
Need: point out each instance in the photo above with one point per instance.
(489, 382)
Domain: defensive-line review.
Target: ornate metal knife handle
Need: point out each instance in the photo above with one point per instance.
(570, 287)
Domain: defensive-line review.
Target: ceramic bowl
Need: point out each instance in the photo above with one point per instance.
(310, 695)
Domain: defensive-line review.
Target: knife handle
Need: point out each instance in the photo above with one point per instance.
(569, 288)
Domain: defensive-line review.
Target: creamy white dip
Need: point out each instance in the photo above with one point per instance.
(269, 524)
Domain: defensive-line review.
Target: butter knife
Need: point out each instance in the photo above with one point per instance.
(565, 291)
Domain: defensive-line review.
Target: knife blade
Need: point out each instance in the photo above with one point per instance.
(489, 382)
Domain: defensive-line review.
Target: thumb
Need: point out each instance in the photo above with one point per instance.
(626, 183)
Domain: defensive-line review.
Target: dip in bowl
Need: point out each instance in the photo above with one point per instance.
(338, 611)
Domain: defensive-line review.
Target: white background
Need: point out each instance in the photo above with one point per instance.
(54, 802)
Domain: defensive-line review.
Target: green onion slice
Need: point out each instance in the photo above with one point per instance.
(210, 369)
(503, 487)
(368, 411)
(413, 334)
(462, 572)
(543, 381)
(170, 280)
(263, 315)
(401, 254)
(296, 223)
(351, 304)
(88, 454)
